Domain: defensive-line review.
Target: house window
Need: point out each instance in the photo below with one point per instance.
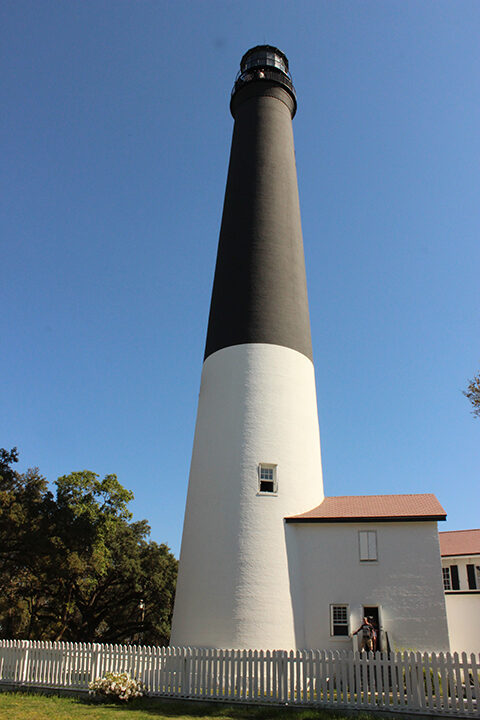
(339, 620)
(454, 577)
(267, 478)
(367, 540)
(473, 576)
(447, 585)
(451, 580)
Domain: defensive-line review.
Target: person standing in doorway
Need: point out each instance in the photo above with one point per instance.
(367, 634)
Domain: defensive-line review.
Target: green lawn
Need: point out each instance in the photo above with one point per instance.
(19, 706)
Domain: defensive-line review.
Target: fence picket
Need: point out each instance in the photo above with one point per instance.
(458, 686)
(268, 676)
(436, 684)
(417, 677)
(261, 675)
(372, 680)
(306, 672)
(466, 683)
(475, 675)
(404, 686)
(443, 683)
(231, 674)
(350, 675)
(449, 692)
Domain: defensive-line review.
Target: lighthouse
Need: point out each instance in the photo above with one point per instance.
(256, 453)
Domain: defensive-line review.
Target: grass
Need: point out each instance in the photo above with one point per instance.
(22, 706)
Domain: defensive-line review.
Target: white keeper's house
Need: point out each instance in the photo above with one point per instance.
(460, 550)
(267, 561)
(374, 556)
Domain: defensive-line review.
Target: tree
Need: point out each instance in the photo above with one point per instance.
(74, 567)
(23, 540)
(7, 458)
(473, 394)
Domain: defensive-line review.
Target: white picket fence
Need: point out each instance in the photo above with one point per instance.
(440, 685)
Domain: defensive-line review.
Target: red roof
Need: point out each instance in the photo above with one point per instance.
(459, 542)
(380, 508)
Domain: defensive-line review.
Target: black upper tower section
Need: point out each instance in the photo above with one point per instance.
(259, 292)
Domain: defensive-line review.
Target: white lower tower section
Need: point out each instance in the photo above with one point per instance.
(257, 405)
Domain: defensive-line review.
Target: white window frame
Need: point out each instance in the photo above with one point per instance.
(367, 545)
(344, 608)
(270, 468)
(447, 580)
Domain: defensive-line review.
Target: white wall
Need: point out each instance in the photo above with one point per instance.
(257, 404)
(463, 608)
(405, 582)
(463, 613)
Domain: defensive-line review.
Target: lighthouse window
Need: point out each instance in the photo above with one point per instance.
(267, 478)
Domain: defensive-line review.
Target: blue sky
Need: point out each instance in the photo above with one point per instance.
(115, 142)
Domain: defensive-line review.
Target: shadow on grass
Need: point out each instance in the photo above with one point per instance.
(182, 709)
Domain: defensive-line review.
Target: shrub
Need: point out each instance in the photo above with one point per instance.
(117, 685)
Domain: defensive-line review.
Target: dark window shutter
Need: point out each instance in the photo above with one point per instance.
(472, 583)
(454, 576)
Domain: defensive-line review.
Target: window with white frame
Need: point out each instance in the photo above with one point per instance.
(447, 583)
(339, 620)
(367, 541)
(267, 478)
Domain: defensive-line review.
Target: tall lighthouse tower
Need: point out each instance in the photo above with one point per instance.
(256, 454)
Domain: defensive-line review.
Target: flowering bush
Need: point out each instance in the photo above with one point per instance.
(117, 685)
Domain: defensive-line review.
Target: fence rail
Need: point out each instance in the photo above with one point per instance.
(441, 685)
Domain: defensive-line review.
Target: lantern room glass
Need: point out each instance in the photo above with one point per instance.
(265, 58)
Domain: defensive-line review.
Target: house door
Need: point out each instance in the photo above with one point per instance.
(371, 612)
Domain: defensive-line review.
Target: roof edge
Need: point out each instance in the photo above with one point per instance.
(392, 518)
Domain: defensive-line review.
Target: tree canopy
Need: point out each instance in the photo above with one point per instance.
(73, 565)
(473, 394)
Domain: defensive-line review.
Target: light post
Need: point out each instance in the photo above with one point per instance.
(141, 607)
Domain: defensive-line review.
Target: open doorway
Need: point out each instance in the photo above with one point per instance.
(372, 613)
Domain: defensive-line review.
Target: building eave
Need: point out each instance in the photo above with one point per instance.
(359, 519)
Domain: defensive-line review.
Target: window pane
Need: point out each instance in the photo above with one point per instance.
(266, 486)
(339, 619)
(446, 578)
(372, 545)
(363, 539)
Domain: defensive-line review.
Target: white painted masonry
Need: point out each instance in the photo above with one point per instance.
(257, 405)
(463, 613)
(405, 583)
